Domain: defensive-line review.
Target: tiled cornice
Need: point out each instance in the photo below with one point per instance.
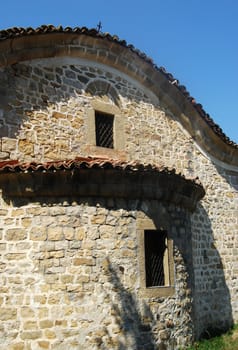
(98, 177)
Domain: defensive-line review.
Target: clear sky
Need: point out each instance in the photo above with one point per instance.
(195, 40)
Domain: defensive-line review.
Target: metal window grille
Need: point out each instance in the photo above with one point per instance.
(155, 247)
(104, 129)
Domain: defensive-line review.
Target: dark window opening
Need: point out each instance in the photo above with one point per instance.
(155, 257)
(104, 129)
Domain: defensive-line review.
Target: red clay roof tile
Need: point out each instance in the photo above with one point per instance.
(9, 166)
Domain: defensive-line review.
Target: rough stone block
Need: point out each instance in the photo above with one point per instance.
(98, 219)
(84, 261)
(7, 313)
(15, 256)
(31, 335)
(50, 334)
(16, 234)
(68, 233)
(26, 147)
(30, 325)
(55, 233)
(38, 234)
(44, 344)
(46, 324)
(79, 233)
(17, 346)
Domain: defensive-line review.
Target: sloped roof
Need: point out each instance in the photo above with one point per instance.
(15, 166)
(47, 29)
(98, 177)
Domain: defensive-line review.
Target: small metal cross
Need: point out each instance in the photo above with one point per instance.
(99, 26)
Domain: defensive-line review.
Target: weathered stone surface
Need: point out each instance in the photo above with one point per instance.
(31, 335)
(8, 313)
(70, 266)
(15, 234)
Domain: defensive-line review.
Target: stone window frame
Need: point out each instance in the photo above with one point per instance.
(155, 291)
(100, 106)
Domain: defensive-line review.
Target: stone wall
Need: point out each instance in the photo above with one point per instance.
(66, 266)
(215, 250)
(69, 277)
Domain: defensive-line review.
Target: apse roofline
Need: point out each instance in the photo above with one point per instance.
(19, 44)
(98, 177)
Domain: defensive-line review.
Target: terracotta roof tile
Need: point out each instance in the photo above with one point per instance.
(45, 29)
(14, 166)
(98, 177)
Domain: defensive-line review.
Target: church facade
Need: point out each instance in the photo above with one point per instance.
(119, 199)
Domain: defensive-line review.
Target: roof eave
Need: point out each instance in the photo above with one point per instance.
(48, 41)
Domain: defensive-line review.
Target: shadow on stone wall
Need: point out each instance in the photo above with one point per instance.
(135, 328)
(231, 177)
(212, 301)
(25, 88)
(203, 273)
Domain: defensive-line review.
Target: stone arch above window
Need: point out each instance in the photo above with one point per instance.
(104, 90)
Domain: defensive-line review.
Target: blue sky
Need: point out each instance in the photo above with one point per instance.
(195, 40)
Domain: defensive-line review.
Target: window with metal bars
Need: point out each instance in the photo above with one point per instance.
(155, 242)
(104, 129)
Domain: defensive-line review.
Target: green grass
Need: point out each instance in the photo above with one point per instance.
(228, 341)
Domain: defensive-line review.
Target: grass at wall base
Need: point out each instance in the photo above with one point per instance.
(228, 341)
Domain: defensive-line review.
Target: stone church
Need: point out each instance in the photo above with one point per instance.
(119, 199)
